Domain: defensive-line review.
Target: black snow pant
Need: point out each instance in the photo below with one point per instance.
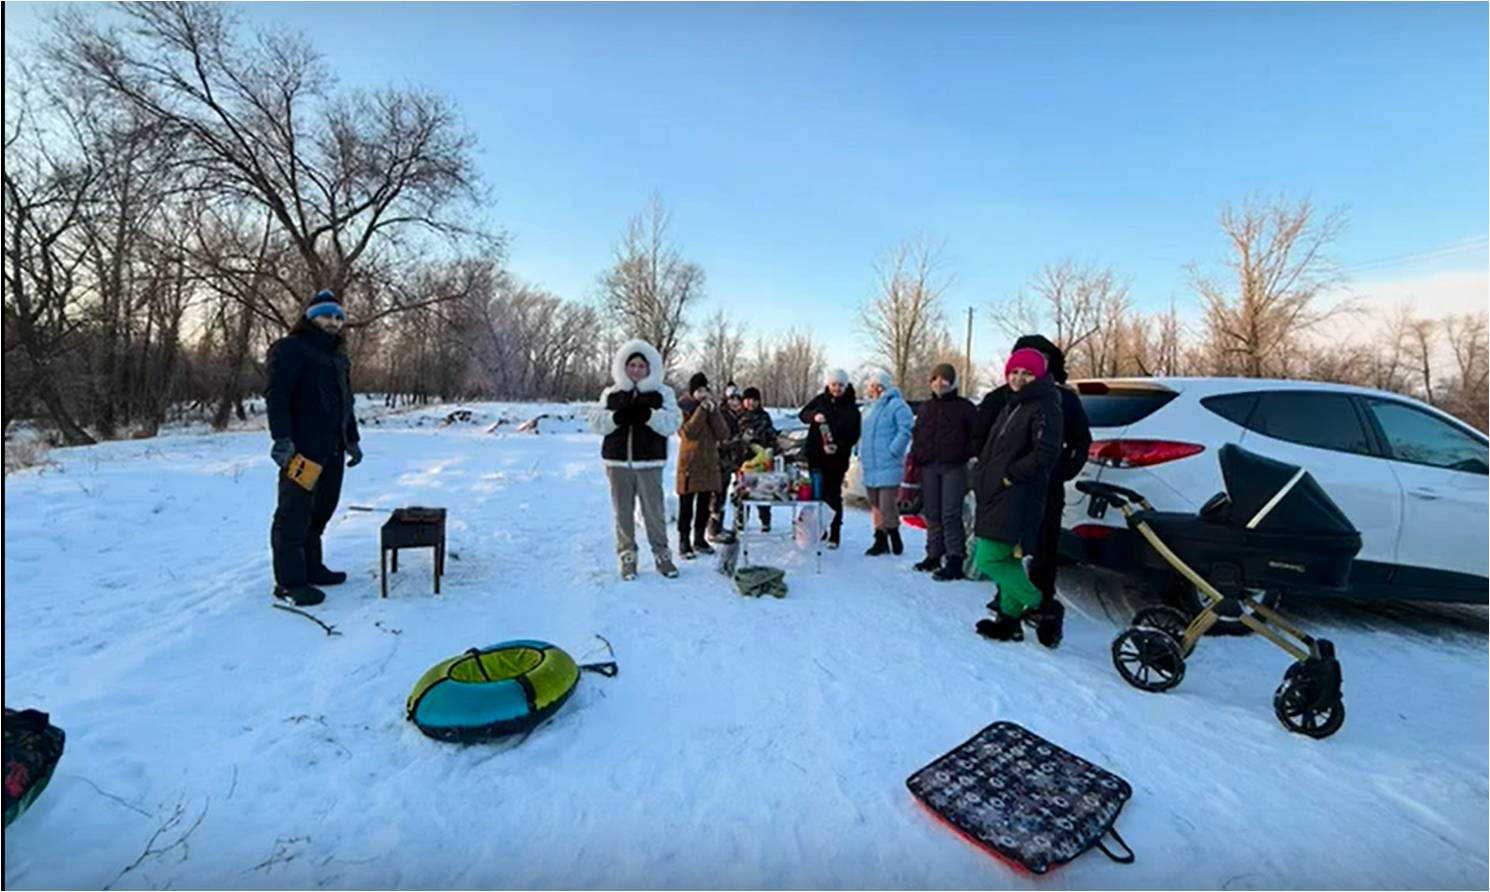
(1047, 544)
(693, 512)
(299, 521)
(833, 495)
(943, 491)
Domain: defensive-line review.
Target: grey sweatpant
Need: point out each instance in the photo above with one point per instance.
(943, 488)
(626, 486)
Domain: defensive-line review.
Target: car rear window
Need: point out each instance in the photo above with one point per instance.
(1114, 407)
(1321, 420)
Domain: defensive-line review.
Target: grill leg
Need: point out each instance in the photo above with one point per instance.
(439, 565)
(395, 560)
(383, 569)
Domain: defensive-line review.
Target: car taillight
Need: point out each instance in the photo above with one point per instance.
(1139, 453)
(1091, 531)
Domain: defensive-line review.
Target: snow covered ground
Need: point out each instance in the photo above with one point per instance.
(744, 744)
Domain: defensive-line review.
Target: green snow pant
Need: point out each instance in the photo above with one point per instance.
(998, 561)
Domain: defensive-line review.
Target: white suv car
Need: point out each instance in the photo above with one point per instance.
(1411, 478)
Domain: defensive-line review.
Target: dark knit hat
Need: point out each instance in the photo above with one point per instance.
(698, 380)
(752, 393)
(325, 303)
(945, 372)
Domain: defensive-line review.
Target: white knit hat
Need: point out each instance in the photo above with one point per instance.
(836, 376)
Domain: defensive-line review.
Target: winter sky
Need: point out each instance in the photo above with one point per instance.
(795, 144)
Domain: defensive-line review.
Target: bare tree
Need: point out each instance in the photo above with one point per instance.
(1467, 394)
(788, 370)
(1083, 308)
(340, 174)
(1420, 348)
(1281, 273)
(44, 201)
(722, 352)
(650, 288)
(904, 320)
(1389, 360)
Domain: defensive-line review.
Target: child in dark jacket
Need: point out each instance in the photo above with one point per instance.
(942, 444)
(756, 429)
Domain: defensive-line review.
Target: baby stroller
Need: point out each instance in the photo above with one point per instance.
(1273, 528)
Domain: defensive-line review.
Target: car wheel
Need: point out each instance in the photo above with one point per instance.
(1185, 596)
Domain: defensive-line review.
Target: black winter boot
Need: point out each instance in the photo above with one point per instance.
(685, 551)
(881, 544)
(300, 596)
(701, 544)
(950, 572)
(322, 576)
(896, 546)
(929, 565)
(1050, 622)
(1001, 628)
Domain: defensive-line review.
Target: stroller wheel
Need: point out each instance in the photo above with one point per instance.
(1296, 707)
(1165, 619)
(1148, 659)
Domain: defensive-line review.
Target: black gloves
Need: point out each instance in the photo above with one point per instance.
(283, 451)
(354, 453)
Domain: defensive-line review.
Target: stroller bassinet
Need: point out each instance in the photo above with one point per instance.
(1273, 528)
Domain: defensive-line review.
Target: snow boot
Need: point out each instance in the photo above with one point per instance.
(881, 544)
(896, 546)
(951, 572)
(929, 565)
(1050, 623)
(766, 524)
(628, 567)
(685, 551)
(834, 532)
(300, 596)
(322, 576)
(666, 567)
(1001, 628)
(702, 546)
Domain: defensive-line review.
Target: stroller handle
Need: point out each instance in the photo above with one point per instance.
(1118, 495)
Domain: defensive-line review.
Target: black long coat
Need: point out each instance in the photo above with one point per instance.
(309, 392)
(1015, 466)
(1076, 432)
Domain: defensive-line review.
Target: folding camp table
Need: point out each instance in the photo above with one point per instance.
(745, 505)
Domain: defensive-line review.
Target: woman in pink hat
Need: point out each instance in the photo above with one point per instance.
(1012, 476)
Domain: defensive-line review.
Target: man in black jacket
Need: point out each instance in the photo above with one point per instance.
(309, 403)
(1076, 440)
(941, 444)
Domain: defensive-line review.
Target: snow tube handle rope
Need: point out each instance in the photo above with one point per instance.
(608, 669)
(1121, 859)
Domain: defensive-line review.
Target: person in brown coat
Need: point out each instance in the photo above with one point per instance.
(699, 468)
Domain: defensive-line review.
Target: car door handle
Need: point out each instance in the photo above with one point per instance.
(1423, 493)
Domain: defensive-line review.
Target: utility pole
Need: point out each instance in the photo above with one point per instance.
(967, 358)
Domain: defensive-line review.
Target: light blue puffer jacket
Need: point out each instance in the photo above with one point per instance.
(886, 438)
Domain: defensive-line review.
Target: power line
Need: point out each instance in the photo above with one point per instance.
(1479, 243)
